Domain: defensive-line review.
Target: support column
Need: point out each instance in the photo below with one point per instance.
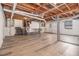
(24, 27)
(1, 25)
(58, 28)
(39, 27)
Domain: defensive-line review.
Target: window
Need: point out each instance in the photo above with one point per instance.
(68, 24)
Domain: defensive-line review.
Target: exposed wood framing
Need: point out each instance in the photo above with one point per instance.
(52, 9)
(25, 14)
(44, 11)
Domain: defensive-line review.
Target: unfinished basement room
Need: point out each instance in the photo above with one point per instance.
(39, 29)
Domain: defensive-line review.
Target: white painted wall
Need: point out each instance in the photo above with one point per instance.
(47, 27)
(52, 29)
(34, 25)
(18, 23)
(73, 31)
(9, 31)
(1, 26)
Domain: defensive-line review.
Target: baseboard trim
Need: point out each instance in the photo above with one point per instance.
(69, 43)
(63, 34)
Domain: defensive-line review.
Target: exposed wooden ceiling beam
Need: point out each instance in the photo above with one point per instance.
(16, 16)
(71, 17)
(24, 8)
(65, 9)
(19, 7)
(35, 7)
(52, 9)
(41, 6)
(26, 14)
(55, 6)
(66, 12)
(73, 6)
(68, 8)
(6, 6)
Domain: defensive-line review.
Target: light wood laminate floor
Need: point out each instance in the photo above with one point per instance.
(37, 45)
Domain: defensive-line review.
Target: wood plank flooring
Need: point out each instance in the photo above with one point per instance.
(36, 45)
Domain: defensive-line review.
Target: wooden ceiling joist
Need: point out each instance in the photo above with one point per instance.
(26, 14)
(44, 10)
